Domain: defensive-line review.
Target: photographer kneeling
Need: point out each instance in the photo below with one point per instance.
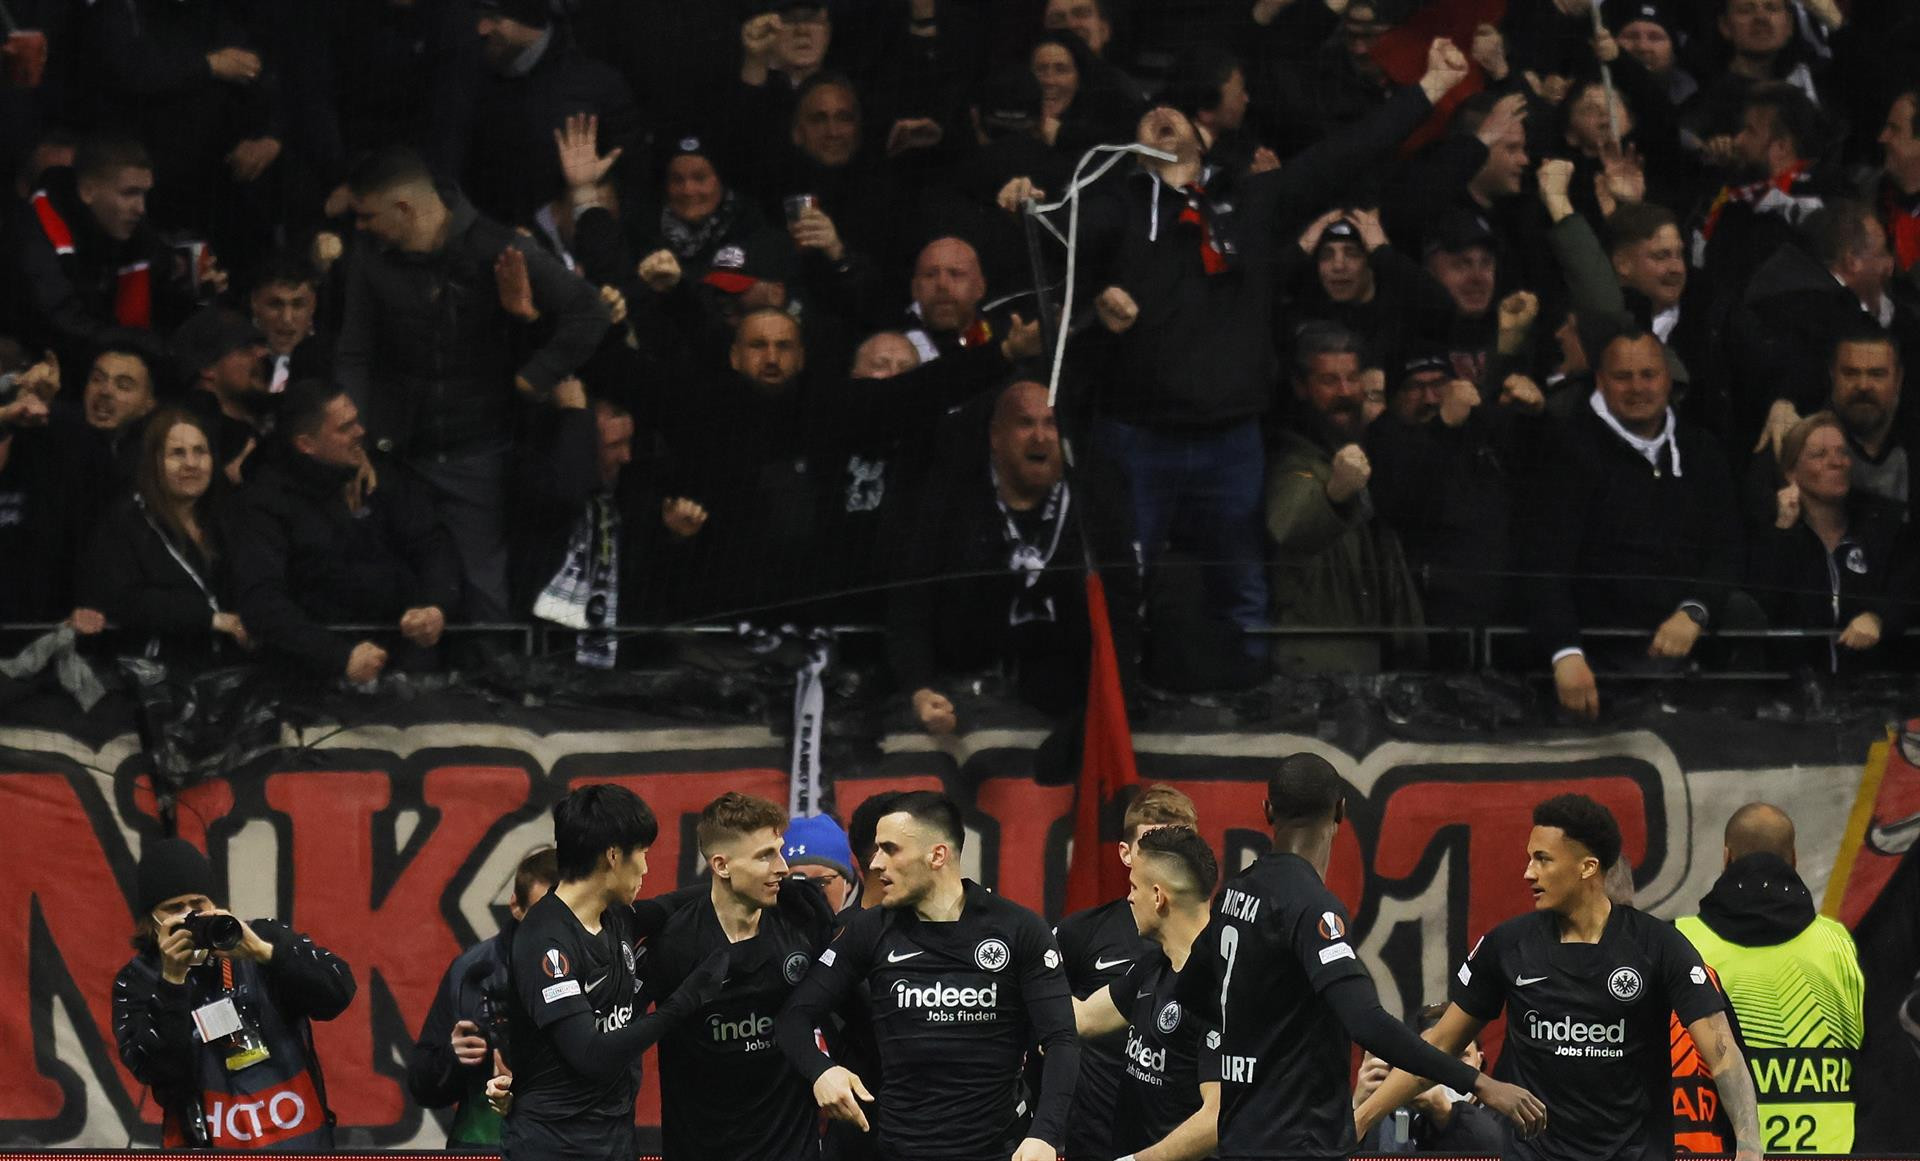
(212, 1013)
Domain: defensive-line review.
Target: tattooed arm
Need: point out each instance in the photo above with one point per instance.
(1722, 1054)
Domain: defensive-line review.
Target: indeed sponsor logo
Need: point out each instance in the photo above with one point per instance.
(947, 1003)
(1570, 1037)
(616, 1019)
(1147, 1064)
(755, 1029)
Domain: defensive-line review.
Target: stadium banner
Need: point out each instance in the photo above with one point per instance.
(394, 844)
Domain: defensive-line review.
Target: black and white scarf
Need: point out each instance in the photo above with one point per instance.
(585, 593)
(1031, 556)
(691, 240)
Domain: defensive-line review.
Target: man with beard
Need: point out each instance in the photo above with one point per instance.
(997, 568)
(1442, 464)
(1634, 525)
(1335, 564)
(224, 360)
(1866, 374)
(1771, 188)
(1182, 275)
(1835, 282)
(947, 288)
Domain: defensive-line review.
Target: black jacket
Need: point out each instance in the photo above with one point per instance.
(159, 594)
(510, 167)
(955, 617)
(1448, 492)
(1619, 543)
(1201, 352)
(65, 276)
(475, 989)
(154, 1030)
(1781, 338)
(428, 354)
(1872, 570)
(145, 68)
(301, 560)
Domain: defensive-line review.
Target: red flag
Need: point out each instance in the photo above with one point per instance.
(1095, 874)
(1401, 53)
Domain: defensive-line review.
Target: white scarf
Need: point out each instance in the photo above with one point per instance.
(1649, 448)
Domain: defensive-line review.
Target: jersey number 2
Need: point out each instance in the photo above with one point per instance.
(1229, 948)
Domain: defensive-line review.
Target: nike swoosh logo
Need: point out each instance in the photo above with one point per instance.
(1101, 965)
(896, 957)
(1523, 981)
(596, 983)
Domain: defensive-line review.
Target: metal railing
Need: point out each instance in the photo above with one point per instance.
(1477, 644)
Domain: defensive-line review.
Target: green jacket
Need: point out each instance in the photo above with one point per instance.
(1333, 565)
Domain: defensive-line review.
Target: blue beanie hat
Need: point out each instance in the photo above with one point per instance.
(818, 840)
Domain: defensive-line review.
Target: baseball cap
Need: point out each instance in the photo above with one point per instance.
(1459, 230)
(209, 336)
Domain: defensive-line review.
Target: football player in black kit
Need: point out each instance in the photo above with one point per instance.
(1099, 944)
(1588, 987)
(725, 1089)
(1275, 974)
(576, 1029)
(961, 984)
(1170, 1092)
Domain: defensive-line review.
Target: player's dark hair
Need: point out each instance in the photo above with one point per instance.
(1184, 846)
(734, 814)
(1584, 821)
(1839, 230)
(386, 169)
(825, 79)
(1863, 331)
(594, 818)
(1303, 788)
(128, 345)
(1637, 222)
(1793, 115)
(866, 816)
(541, 866)
(1198, 76)
(99, 158)
(287, 268)
(303, 407)
(934, 811)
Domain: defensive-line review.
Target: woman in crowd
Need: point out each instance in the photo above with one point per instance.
(1834, 558)
(152, 568)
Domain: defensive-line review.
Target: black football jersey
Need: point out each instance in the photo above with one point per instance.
(1587, 1027)
(558, 968)
(1276, 940)
(955, 1009)
(1098, 945)
(1168, 1054)
(725, 1088)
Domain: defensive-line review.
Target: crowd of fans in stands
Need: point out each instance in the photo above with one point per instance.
(407, 314)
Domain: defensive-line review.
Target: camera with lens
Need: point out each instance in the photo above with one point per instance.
(213, 932)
